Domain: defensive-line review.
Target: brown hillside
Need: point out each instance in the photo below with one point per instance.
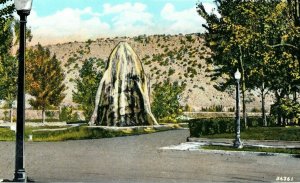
(178, 57)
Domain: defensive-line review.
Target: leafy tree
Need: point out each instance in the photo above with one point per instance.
(7, 25)
(281, 52)
(87, 84)
(254, 36)
(6, 9)
(17, 32)
(165, 105)
(44, 79)
(278, 54)
(6, 38)
(8, 81)
(286, 109)
(8, 63)
(229, 39)
(6, 19)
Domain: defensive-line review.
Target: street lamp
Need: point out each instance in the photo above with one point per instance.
(237, 142)
(23, 8)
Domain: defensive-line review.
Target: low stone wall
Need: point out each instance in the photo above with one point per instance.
(12, 126)
(35, 114)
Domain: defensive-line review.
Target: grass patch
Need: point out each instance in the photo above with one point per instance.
(264, 133)
(78, 133)
(6, 134)
(41, 120)
(84, 132)
(75, 133)
(252, 149)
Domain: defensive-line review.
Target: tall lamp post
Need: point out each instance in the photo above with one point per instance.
(237, 142)
(23, 8)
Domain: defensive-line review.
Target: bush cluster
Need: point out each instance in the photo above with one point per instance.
(67, 115)
(211, 126)
(288, 110)
(199, 127)
(214, 108)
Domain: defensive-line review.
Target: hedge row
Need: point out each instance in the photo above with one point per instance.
(210, 126)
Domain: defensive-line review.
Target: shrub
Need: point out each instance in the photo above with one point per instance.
(189, 38)
(166, 97)
(6, 117)
(50, 114)
(89, 42)
(188, 108)
(254, 109)
(214, 108)
(231, 109)
(67, 115)
(171, 71)
(70, 61)
(211, 126)
(199, 127)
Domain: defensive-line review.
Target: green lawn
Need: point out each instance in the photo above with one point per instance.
(6, 134)
(75, 133)
(252, 149)
(264, 133)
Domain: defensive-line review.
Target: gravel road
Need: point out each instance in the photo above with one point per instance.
(138, 159)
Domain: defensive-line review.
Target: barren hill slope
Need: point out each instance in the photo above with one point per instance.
(178, 57)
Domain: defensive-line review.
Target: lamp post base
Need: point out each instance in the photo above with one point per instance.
(20, 176)
(237, 143)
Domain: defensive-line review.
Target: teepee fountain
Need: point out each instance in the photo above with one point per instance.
(122, 97)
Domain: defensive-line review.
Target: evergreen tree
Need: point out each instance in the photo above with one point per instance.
(44, 79)
(87, 84)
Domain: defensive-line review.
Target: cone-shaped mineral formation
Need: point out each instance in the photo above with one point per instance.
(122, 98)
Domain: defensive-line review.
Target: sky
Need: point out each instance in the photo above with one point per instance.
(57, 21)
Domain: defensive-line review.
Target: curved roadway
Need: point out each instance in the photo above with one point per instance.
(138, 159)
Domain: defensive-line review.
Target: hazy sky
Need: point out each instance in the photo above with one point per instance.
(54, 21)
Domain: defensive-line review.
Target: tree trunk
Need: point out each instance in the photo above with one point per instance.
(279, 120)
(243, 87)
(279, 96)
(43, 115)
(295, 95)
(11, 114)
(59, 114)
(244, 105)
(263, 109)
